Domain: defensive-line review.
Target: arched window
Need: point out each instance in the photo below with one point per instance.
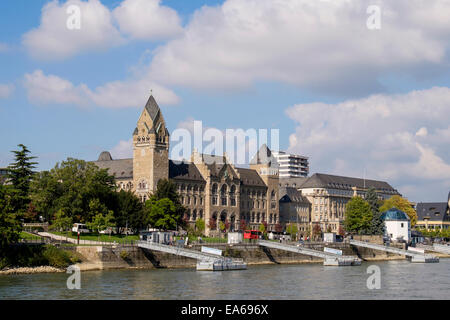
(273, 202)
(214, 194)
(223, 195)
(233, 196)
(194, 215)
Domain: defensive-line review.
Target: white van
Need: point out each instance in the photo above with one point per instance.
(80, 227)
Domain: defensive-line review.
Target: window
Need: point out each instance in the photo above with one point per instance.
(223, 195)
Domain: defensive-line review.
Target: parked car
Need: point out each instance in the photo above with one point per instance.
(80, 227)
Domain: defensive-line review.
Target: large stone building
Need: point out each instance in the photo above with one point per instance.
(327, 196)
(211, 187)
(433, 215)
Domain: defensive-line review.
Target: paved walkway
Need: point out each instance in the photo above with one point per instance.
(71, 240)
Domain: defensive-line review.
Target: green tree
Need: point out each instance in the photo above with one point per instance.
(402, 204)
(10, 227)
(162, 214)
(200, 226)
(102, 222)
(62, 222)
(262, 228)
(70, 186)
(358, 216)
(129, 211)
(292, 229)
(377, 224)
(20, 174)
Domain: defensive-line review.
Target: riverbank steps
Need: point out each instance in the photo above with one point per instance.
(132, 257)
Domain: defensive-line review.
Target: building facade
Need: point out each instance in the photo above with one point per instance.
(291, 165)
(327, 196)
(433, 215)
(210, 187)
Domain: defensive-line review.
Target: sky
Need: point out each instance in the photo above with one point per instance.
(360, 87)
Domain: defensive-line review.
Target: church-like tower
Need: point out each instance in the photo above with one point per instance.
(150, 150)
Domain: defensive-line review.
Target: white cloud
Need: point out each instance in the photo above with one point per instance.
(147, 19)
(51, 89)
(378, 135)
(123, 150)
(317, 44)
(54, 40)
(99, 27)
(43, 89)
(6, 90)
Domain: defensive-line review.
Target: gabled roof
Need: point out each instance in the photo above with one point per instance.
(180, 170)
(320, 180)
(433, 211)
(264, 156)
(250, 177)
(152, 108)
(289, 194)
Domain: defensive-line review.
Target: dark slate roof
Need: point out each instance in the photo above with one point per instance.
(320, 180)
(292, 182)
(289, 194)
(433, 211)
(264, 156)
(179, 170)
(152, 108)
(250, 177)
(394, 214)
(120, 169)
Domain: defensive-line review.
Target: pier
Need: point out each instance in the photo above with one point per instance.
(439, 248)
(414, 256)
(205, 261)
(330, 259)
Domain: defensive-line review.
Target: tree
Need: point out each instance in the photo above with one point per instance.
(316, 231)
(70, 186)
(20, 174)
(62, 221)
(278, 227)
(102, 222)
(242, 224)
(128, 211)
(292, 229)
(358, 216)
(341, 231)
(162, 214)
(402, 204)
(10, 227)
(329, 229)
(166, 189)
(200, 226)
(377, 224)
(262, 228)
(212, 223)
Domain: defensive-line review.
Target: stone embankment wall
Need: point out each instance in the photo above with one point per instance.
(115, 257)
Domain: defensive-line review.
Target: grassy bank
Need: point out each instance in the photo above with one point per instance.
(37, 255)
(100, 237)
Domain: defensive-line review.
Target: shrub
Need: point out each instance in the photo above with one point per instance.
(56, 257)
(124, 255)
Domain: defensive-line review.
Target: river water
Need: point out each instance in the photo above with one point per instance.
(399, 280)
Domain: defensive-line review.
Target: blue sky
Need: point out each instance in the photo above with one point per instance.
(352, 99)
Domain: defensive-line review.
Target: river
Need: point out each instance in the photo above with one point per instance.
(399, 280)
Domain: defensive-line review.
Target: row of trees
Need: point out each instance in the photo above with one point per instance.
(78, 191)
(363, 216)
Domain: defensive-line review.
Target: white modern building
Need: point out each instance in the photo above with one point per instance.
(291, 165)
(397, 224)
